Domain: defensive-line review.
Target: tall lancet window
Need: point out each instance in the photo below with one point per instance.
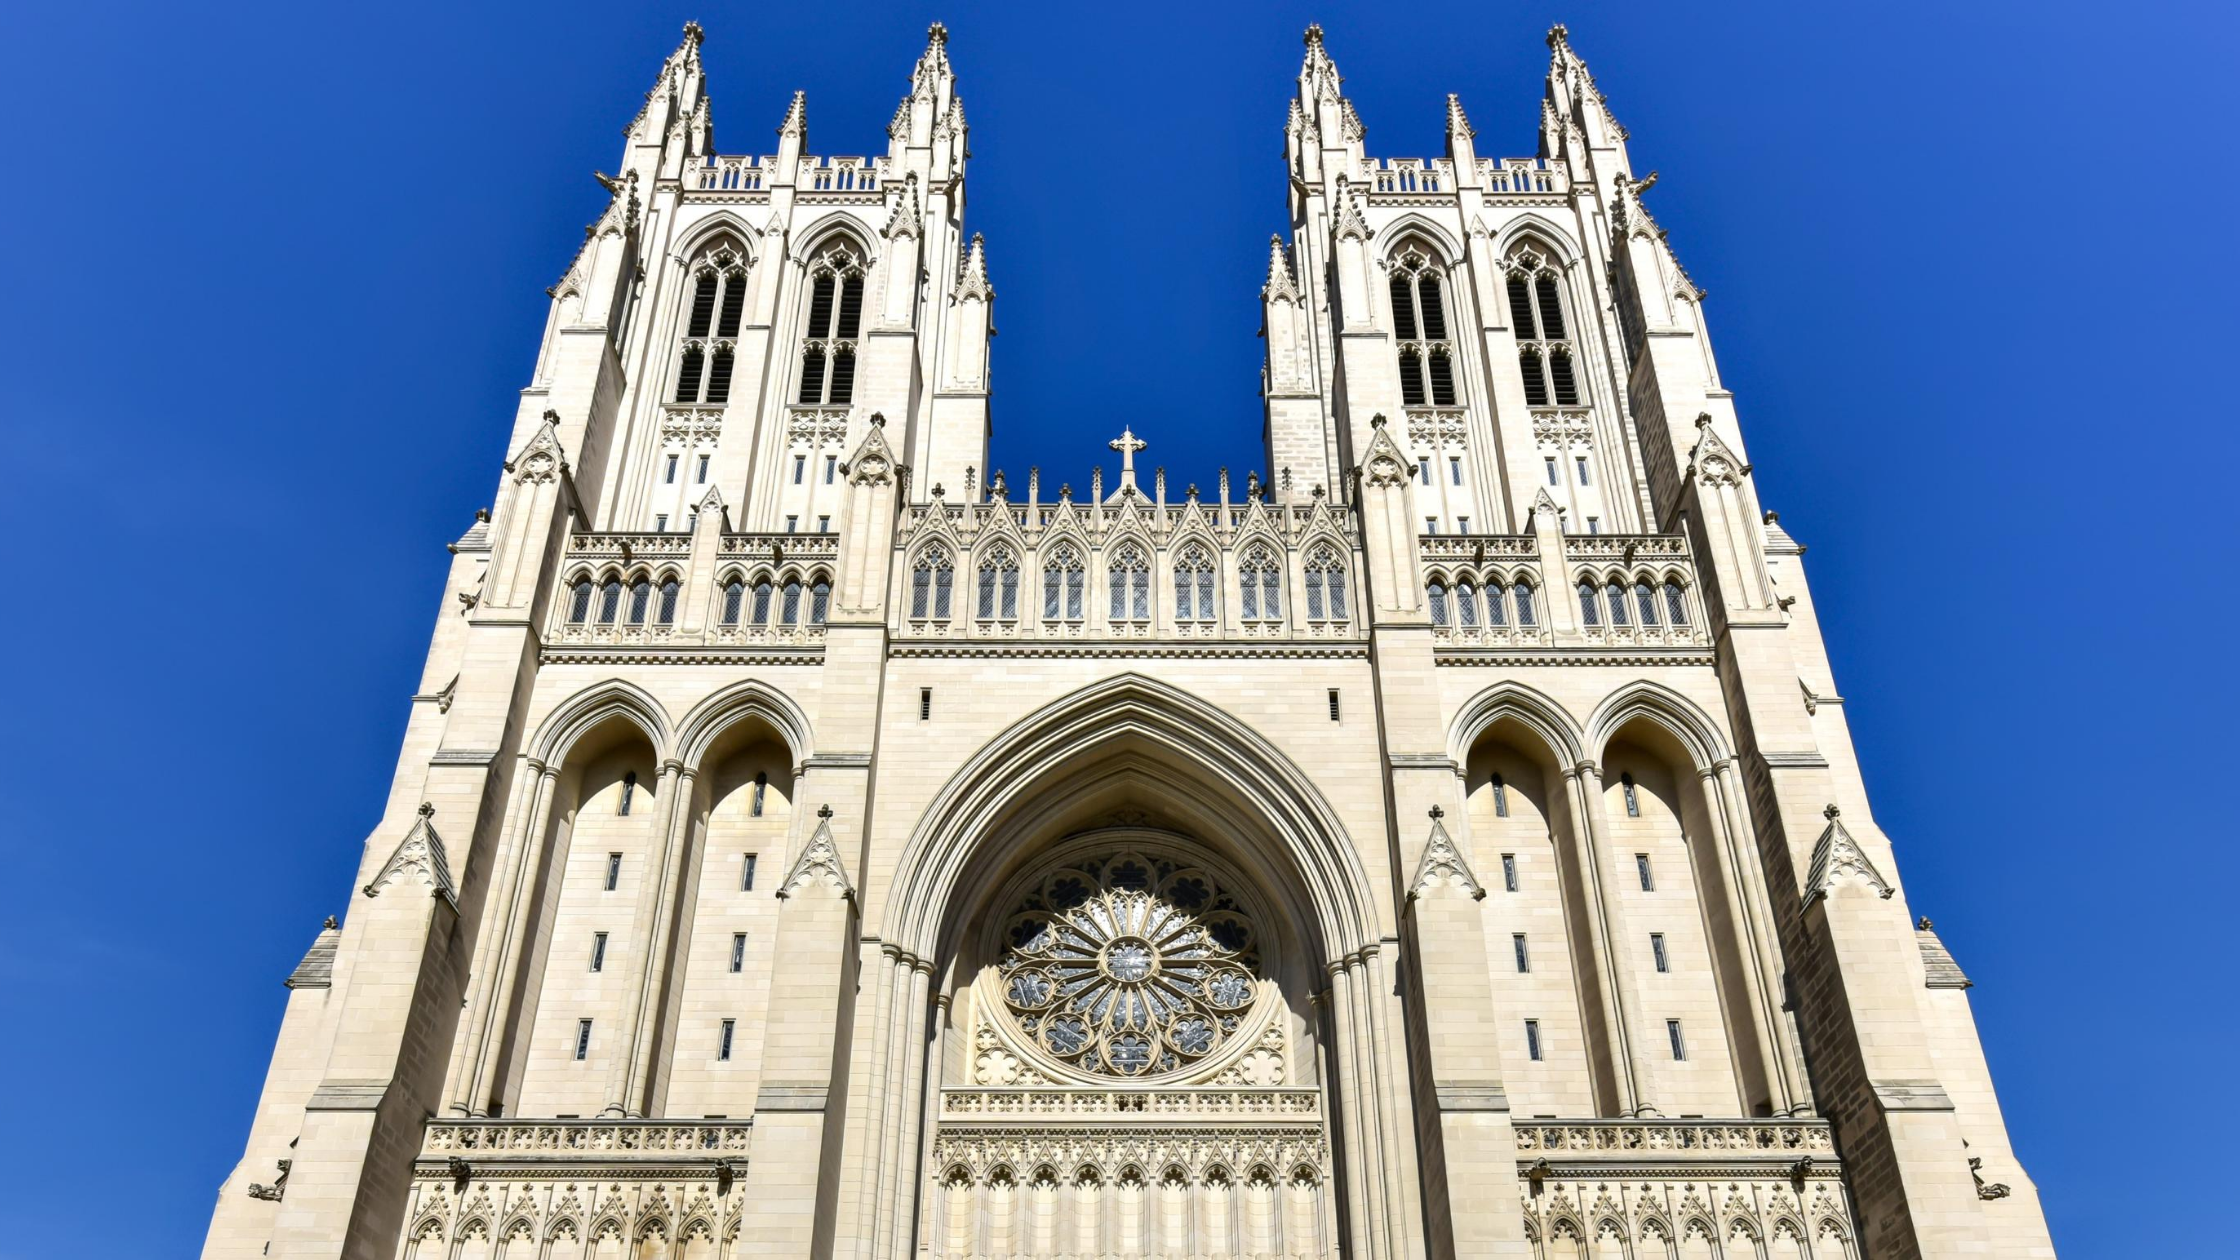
(711, 327)
(835, 320)
(999, 585)
(1130, 574)
(1061, 584)
(1326, 585)
(1419, 321)
(1545, 356)
(1260, 585)
(930, 582)
(1193, 585)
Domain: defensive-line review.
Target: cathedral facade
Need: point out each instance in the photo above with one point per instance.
(811, 842)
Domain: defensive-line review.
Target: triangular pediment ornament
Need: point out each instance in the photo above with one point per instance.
(1351, 222)
(1385, 465)
(1836, 857)
(819, 865)
(1443, 865)
(1710, 461)
(1279, 287)
(418, 856)
(1545, 503)
(711, 505)
(540, 458)
(905, 220)
(873, 462)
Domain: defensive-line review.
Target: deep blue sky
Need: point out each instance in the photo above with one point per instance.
(273, 274)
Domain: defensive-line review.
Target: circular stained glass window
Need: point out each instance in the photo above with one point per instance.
(1129, 964)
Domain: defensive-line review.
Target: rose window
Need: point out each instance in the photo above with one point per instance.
(1129, 965)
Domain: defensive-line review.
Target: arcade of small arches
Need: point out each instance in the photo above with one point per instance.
(1261, 583)
(766, 599)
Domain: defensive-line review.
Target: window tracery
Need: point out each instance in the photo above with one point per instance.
(706, 351)
(1130, 575)
(931, 580)
(999, 585)
(1545, 355)
(1260, 585)
(1326, 585)
(1129, 964)
(1419, 319)
(1062, 581)
(1193, 585)
(835, 320)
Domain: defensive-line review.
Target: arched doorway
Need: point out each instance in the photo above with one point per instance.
(1131, 1061)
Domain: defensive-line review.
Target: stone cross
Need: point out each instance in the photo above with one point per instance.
(1127, 444)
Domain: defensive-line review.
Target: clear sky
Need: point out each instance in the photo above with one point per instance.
(271, 275)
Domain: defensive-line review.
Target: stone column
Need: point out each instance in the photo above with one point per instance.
(1757, 950)
(813, 980)
(658, 909)
(1472, 1160)
(353, 1161)
(498, 955)
(1615, 982)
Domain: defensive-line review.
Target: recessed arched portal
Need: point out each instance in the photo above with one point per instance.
(1152, 957)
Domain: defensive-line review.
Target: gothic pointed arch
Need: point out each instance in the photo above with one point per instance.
(722, 224)
(1676, 714)
(1530, 228)
(1531, 709)
(580, 713)
(744, 701)
(1437, 239)
(1151, 732)
(821, 233)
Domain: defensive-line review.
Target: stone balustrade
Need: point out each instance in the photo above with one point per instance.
(598, 1141)
(1045, 1106)
(1617, 590)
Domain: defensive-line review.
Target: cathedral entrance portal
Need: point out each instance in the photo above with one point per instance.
(1130, 1067)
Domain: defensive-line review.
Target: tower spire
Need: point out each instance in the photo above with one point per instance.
(972, 277)
(796, 122)
(1322, 98)
(1578, 102)
(1462, 146)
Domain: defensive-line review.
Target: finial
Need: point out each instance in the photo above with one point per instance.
(1314, 35)
(1377, 421)
(937, 34)
(1192, 492)
(1318, 490)
(1458, 123)
(551, 416)
(1065, 492)
(797, 116)
(1559, 35)
(937, 491)
(1437, 813)
(693, 34)
(1830, 813)
(824, 811)
(878, 420)
(1772, 517)
(483, 515)
(1922, 926)
(427, 810)
(330, 925)
(1703, 419)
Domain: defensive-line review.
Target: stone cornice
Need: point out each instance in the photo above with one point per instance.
(1123, 649)
(1573, 656)
(681, 656)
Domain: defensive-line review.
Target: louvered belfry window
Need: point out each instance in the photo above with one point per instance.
(835, 321)
(1546, 359)
(711, 328)
(1419, 326)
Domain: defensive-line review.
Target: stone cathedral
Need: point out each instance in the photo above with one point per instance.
(1442, 841)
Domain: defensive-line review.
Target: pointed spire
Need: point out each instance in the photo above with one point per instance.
(1280, 286)
(797, 117)
(1458, 123)
(1317, 72)
(972, 276)
(670, 83)
(1571, 88)
(933, 63)
(1352, 222)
